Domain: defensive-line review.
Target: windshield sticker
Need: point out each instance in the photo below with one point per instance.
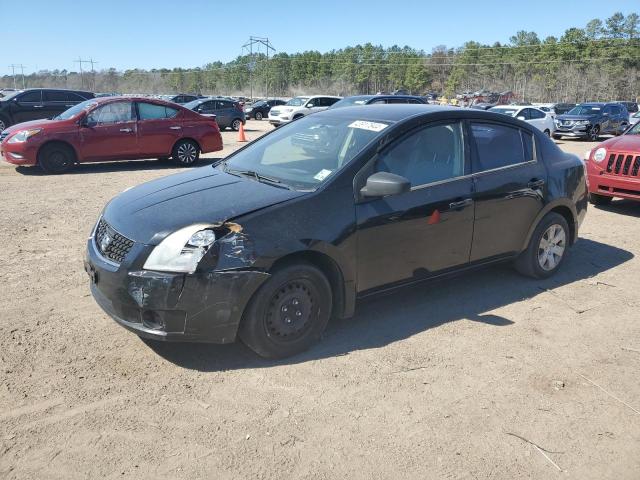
(322, 174)
(371, 126)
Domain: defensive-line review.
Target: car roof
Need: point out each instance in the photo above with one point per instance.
(121, 98)
(388, 112)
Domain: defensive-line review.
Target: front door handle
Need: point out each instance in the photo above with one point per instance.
(126, 130)
(535, 183)
(38, 106)
(460, 204)
(176, 128)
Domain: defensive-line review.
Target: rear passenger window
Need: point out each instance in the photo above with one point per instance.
(151, 111)
(535, 114)
(500, 146)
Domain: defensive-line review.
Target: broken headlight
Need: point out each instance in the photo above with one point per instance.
(182, 250)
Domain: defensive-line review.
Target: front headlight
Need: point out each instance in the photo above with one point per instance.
(24, 135)
(182, 250)
(583, 122)
(600, 154)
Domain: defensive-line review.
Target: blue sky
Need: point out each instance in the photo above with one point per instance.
(162, 33)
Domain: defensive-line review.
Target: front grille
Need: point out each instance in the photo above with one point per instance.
(623, 165)
(274, 112)
(110, 243)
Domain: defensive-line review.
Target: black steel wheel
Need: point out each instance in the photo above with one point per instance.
(288, 313)
(186, 153)
(56, 158)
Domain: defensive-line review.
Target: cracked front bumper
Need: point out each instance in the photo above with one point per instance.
(202, 307)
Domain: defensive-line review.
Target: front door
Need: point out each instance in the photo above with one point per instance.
(109, 133)
(28, 106)
(428, 229)
(509, 187)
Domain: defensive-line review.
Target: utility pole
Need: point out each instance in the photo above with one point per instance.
(264, 41)
(91, 61)
(13, 70)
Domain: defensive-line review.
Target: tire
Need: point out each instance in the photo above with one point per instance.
(595, 199)
(297, 117)
(4, 123)
(186, 153)
(258, 116)
(56, 158)
(547, 132)
(288, 313)
(547, 248)
(235, 125)
(623, 127)
(594, 133)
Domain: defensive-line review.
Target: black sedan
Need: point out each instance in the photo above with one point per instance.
(269, 244)
(261, 108)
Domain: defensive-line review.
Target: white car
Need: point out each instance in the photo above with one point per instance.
(536, 117)
(634, 118)
(298, 107)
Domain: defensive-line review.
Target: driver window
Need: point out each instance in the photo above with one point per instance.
(111, 113)
(312, 103)
(429, 155)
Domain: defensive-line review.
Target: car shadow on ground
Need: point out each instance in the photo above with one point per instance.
(629, 208)
(119, 166)
(387, 319)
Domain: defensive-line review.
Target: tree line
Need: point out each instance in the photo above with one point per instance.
(598, 62)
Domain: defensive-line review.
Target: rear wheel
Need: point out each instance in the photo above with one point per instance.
(186, 153)
(258, 116)
(56, 158)
(595, 199)
(4, 123)
(235, 125)
(288, 313)
(547, 248)
(547, 132)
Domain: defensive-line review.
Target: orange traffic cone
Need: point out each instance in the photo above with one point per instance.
(241, 135)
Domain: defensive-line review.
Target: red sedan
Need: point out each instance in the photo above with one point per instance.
(613, 168)
(111, 128)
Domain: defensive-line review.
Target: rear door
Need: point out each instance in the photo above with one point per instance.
(509, 183)
(159, 127)
(110, 133)
(57, 101)
(28, 106)
(537, 118)
(407, 237)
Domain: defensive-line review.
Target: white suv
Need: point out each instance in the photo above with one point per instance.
(299, 107)
(536, 117)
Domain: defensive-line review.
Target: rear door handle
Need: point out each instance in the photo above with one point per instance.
(38, 106)
(176, 128)
(126, 130)
(461, 204)
(535, 183)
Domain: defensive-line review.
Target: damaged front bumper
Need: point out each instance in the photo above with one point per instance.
(205, 306)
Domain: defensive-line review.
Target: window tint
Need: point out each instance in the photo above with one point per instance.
(378, 102)
(429, 155)
(536, 114)
(526, 113)
(110, 113)
(615, 109)
(414, 100)
(151, 111)
(327, 102)
(61, 96)
(34, 96)
(397, 100)
(207, 107)
(527, 143)
(497, 146)
(226, 105)
(315, 102)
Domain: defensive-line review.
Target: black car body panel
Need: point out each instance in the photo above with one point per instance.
(39, 103)
(263, 108)
(365, 245)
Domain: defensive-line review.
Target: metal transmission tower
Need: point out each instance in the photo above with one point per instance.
(80, 61)
(249, 47)
(13, 71)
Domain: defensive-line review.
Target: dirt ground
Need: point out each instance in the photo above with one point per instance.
(489, 376)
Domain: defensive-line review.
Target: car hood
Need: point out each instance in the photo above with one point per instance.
(625, 143)
(31, 124)
(575, 117)
(151, 211)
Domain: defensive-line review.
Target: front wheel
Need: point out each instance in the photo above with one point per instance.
(594, 133)
(288, 313)
(258, 116)
(547, 248)
(595, 199)
(56, 158)
(547, 132)
(186, 153)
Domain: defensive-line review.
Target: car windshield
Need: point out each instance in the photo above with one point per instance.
(635, 130)
(75, 110)
(192, 104)
(8, 95)
(585, 110)
(305, 153)
(505, 111)
(350, 101)
(297, 101)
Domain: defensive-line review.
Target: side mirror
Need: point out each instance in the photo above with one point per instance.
(383, 184)
(521, 117)
(309, 105)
